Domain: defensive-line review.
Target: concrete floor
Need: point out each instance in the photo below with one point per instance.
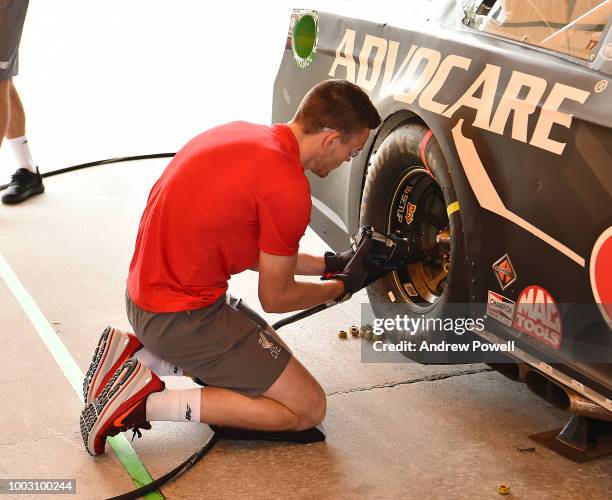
(393, 430)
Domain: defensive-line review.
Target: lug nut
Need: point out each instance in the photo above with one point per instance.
(354, 331)
(342, 334)
(443, 237)
(503, 489)
(366, 332)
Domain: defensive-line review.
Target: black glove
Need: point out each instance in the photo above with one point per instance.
(360, 272)
(336, 262)
(370, 261)
(375, 255)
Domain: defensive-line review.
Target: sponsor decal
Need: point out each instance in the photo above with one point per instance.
(266, 344)
(188, 412)
(600, 271)
(601, 85)
(537, 315)
(304, 37)
(401, 205)
(504, 272)
(410, 213)
(501, 308)
(412, 74)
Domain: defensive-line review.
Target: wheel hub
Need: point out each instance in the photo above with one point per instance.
(417, 211)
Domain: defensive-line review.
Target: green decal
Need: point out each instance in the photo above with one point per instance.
(305, 37)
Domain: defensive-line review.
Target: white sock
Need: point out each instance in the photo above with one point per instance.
(21, 150)
(157, 365)
(175, 405)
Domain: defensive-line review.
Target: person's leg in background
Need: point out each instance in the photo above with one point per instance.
(16, 133)
(26, 181)
(5, 107)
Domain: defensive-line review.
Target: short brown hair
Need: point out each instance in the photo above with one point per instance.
(339, 105)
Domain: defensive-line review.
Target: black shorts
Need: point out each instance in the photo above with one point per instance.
(226, 344)
(12, 17)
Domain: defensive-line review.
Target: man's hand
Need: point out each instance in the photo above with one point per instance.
(370, 261)
(336, 262)
(359, 273)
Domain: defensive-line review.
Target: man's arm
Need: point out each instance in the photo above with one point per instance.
(307, 265)
(278, 290)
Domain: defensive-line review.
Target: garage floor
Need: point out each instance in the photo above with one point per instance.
(393, 430)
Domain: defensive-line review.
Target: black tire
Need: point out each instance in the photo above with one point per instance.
(404, 196)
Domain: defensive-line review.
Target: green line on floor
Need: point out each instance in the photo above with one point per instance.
(121, 446)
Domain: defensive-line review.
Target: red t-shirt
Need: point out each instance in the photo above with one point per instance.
(230, 192)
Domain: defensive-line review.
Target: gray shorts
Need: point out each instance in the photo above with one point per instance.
(12, 17)
(226, 344)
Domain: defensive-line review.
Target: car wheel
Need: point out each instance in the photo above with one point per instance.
(408, 192)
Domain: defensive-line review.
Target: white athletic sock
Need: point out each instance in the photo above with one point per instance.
(157, 365)
(21, 150)
(175, 405)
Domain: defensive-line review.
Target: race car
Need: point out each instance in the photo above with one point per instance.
(493, 160)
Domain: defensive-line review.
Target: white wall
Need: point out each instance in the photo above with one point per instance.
(121, 77)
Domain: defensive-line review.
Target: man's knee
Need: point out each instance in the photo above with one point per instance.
(313, 413)
(299, 391)
(319, 410)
